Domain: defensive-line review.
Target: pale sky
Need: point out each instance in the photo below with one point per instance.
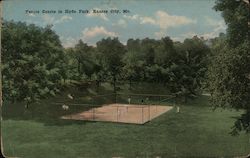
(178, 19)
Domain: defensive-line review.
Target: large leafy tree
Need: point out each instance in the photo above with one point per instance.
(100, 72)
(188, 68)
(165, 52)
(133, 67)
(133, 61)
(84, 56)
(32, 59)
(111, 51)
(151, 54)
(236, 15)
(229, 73)
(71, 62)
(164, 56)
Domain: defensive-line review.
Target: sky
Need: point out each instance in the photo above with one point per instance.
(178, 19)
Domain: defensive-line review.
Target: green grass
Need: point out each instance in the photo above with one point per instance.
(196, 131)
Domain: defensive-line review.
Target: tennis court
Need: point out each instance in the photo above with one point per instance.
(123, 113)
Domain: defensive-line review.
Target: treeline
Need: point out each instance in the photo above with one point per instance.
(35, 65)
(179, 66)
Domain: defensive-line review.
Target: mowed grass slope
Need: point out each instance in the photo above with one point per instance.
(197, 131)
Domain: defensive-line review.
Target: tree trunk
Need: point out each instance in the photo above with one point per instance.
(185, 98)
(164, 83)
(97, 85)
(12, 100)
(130, 84)
(27, 105)
(114, 86)
(114, 83)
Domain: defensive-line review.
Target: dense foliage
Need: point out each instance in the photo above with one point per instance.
(33, 61)
(35, 65)
(229, 72)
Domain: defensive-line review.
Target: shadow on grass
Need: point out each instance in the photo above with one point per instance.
(49, 111)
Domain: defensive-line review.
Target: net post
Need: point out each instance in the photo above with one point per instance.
(117, 113)
(93, 113)
(149, 113)
(142, 115)
(115, 97)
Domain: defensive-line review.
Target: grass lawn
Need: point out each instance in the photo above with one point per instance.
(196, 131)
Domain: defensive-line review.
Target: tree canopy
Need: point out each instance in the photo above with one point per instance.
(229, 71)
(32, 59)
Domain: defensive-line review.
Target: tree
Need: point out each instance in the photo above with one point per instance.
(229, 81)
(133, 61)
(148, 49)
(71, 72)
(83, 57)
(229, 72)
(32, 62)
(236, 15)
(133, 67)
(164, 52)
(111, 51)
(164, 56)
(188, 68)
(100, 73)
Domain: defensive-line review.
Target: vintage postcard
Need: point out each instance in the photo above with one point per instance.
(125, 78)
